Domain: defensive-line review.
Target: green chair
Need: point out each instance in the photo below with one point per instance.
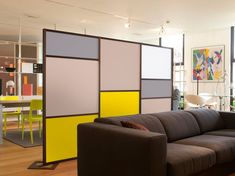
(10, 114)
(33, 116)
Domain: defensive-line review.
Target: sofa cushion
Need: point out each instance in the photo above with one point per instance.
(224, 147)
(150, 122)
(178, 124)
(134, 125)
(208, 119)
(224, 132)
(183, 160)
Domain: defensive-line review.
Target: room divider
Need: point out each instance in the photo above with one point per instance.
(86, 77)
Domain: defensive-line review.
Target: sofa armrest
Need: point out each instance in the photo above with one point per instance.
(229, 119)
(108, 150)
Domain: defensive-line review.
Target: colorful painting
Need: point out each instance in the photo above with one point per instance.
(208, 63)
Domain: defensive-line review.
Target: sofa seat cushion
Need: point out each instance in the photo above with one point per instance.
(208, 119)
(185, 160)
(178, 124)
(224, 147)
(224, 132)
(150, 122)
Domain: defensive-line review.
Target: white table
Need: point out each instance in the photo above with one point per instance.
(10, 104)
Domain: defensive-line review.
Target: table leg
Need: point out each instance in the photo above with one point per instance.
(1, 124)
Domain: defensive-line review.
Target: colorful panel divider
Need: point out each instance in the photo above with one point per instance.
(119, 103)
(86, 77)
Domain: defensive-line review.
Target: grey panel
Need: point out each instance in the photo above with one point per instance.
(68, 45)
(156, 88)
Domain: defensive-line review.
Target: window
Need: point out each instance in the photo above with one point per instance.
(176, 42)
(232, 79)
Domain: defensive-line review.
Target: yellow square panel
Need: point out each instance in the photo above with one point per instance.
(61, 136)
(119, 103)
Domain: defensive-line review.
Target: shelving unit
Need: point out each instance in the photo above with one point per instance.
(14, 54)
(19, 73)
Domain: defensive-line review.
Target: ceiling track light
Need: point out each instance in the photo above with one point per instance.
(127, 24)
(162, 30)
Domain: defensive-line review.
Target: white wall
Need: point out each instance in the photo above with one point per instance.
(192, 40)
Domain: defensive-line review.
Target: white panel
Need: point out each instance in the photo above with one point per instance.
(156, 62)
(71, 86)
(27, 67)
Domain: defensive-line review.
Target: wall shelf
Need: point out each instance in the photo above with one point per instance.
(17, 72)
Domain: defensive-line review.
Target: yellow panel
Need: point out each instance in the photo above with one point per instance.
(119, 103)
(61, 136)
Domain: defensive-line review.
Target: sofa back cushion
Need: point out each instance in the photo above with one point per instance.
(178, 124)
(208, 119)
(148, 121)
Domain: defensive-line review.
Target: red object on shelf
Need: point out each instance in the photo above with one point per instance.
(27, 89)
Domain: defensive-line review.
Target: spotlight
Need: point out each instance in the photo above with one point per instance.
(127, 24)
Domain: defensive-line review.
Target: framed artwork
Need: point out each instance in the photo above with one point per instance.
(208, 63)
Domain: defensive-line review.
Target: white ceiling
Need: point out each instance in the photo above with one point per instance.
(107, 17)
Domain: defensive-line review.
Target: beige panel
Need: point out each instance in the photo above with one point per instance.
(71, 86)
(120, 65)
(155, 105)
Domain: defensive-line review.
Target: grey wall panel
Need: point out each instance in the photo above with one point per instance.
(120, 65)
(68, 45)
(156, 88)
(71, 86)
(155, 105)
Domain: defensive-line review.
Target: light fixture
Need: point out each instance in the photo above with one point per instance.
(162, 30)
(127, 24)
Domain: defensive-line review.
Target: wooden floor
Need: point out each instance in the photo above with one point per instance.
(14, 161)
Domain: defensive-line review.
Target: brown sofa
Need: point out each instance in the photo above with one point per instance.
(180, 143)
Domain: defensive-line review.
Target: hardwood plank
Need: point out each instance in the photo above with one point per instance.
(14, 160)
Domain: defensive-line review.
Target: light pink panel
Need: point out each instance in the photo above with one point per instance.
(120, 65)
(155, 105)
(71, 86)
